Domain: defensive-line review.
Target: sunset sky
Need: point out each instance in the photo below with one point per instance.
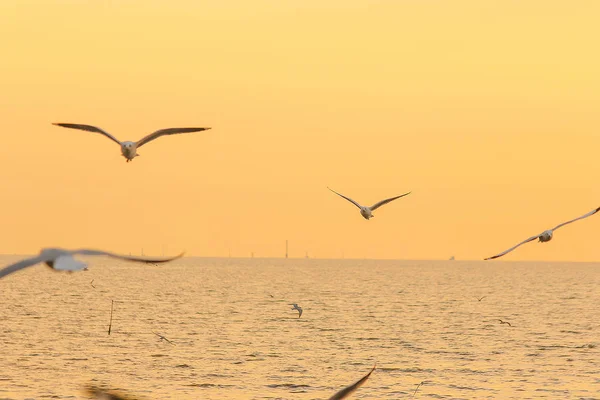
(488, 111)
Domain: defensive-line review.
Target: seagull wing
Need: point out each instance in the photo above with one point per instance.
(573, 220)
(168, 131)
(382, 202)
(512, 248)
(28, 262)
(347, 198)
(299, 312)
(89, 252)
(89, 128)
(342, 394)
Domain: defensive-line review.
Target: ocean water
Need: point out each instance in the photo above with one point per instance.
(235, 336)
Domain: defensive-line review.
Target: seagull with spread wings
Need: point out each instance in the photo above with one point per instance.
(128, 148)
(63, 260)
(545, 236)
(367, 212)
(297, 308)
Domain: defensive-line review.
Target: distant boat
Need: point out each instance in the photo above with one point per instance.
(451, 258)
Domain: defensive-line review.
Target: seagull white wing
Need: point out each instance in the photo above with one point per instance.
(578, 218)
(167, 131)
(382, 202)
(68, 263)
(342, 394)
(90, 252)
(28, 262)
(89, 128)
(512, 248)
(347, 198)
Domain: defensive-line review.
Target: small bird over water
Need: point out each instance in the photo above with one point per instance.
(342, 394)
(63, 260)
(296, 307)
(128, 148)
(545, 236)
(504, 322)
(480, 298)
(163, 338)
(367, 212)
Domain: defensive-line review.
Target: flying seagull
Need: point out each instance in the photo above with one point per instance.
(296, 307)
(367, 212)
(342, 394)
(480, 298)
(504, 322)
(163, 338)
(63, 260)
(545, 236)
(128, 148)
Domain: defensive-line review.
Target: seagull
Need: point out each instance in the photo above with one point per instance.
(128, 148)
(296, 307)
(63, 260)
(367, 212)
(92, 283)
(418, 386)
(480, 298)
(103, 394)
(342, 394)
(163, 338)
(545, 236)
(504, 322)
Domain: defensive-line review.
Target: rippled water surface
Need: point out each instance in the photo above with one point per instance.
(236, 337)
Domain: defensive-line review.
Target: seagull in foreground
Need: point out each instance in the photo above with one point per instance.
(296, 307)
(103, 394)
(163, 338)
(342, 394)
(63, 260)
(545, 236)
(367, 212)
(504, 322)
(128, 148)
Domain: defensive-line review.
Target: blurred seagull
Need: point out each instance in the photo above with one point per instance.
(296, 307)
(128, 148)
(367, 212)
(480, 298)
(63, 260)
(504, 322)
(163, 338)
(342, 394)
(545, 236)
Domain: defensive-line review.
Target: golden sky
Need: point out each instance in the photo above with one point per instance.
(486, 110)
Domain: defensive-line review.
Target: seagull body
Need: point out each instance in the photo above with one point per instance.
(504, 322)
(298, 308)
(342, 394)
(367, 212)
(545, 236)
(64, 260)
(129, 148)
(163, 338)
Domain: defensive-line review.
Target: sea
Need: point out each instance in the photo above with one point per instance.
(428, 326)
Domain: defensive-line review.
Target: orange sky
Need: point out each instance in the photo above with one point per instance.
(486, 111)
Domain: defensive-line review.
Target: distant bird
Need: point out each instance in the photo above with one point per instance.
(342, 394)
(63, 260)
(480, 298)
(545, 236)
(296, 307)
(128, 148)
(163, 338)
(92, 283)
(271, 296)
(504, 322)
(418, 386)
(367, 212)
